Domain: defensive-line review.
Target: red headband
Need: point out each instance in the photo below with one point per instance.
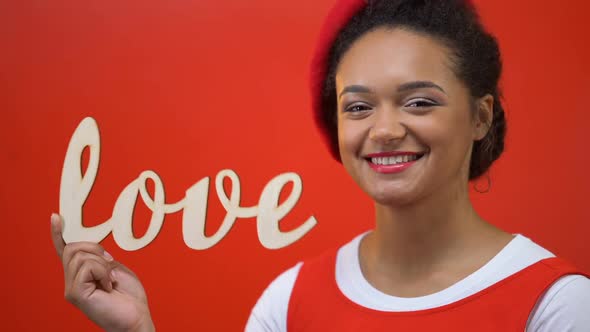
(336, 19)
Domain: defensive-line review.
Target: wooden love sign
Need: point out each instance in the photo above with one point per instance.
(75, 188)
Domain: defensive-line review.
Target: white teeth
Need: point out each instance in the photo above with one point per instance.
(393, 160)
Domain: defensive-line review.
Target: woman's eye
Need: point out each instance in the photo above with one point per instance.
(357, 108)
(420, 103)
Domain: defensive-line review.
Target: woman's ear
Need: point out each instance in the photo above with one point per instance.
(484, 116)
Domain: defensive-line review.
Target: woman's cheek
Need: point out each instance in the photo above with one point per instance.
(350, 136)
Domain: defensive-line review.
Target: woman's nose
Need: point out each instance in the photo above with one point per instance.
(387, 126)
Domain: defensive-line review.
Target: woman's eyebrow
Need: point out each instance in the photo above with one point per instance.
(354, 89)
(419, 85)
(402, 88)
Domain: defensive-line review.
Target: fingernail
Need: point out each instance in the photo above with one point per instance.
(108, 256)
(113, 277)
(54, 217)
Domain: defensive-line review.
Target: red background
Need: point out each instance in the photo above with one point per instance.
(187, 88)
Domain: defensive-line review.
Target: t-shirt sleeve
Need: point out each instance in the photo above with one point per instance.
(270, 312)
(564, 307)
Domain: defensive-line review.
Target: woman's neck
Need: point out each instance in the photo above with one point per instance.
(429, 245)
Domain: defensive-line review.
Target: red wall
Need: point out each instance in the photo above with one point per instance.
(188, 88)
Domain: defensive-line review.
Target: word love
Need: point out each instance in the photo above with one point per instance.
(75, 188)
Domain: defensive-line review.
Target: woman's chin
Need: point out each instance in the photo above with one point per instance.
(392, 195)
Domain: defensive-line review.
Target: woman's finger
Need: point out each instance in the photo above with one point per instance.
(90, 273)
(89, 247)
(56, 234)
(72, 268)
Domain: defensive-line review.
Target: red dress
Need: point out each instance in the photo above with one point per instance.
(316, 303)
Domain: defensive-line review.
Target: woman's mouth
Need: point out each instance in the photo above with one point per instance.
(392, 162)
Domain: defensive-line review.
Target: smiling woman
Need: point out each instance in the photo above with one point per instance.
(406, 94)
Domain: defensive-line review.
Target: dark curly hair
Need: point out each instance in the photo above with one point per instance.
(476, 59)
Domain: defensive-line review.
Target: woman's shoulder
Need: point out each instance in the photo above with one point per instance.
(271, 309)
(563, 307)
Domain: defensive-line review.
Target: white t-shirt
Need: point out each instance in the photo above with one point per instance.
(564, 307)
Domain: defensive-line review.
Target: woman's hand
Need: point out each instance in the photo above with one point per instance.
(107, 292)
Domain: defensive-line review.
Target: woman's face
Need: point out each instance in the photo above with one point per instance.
(405, 126)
